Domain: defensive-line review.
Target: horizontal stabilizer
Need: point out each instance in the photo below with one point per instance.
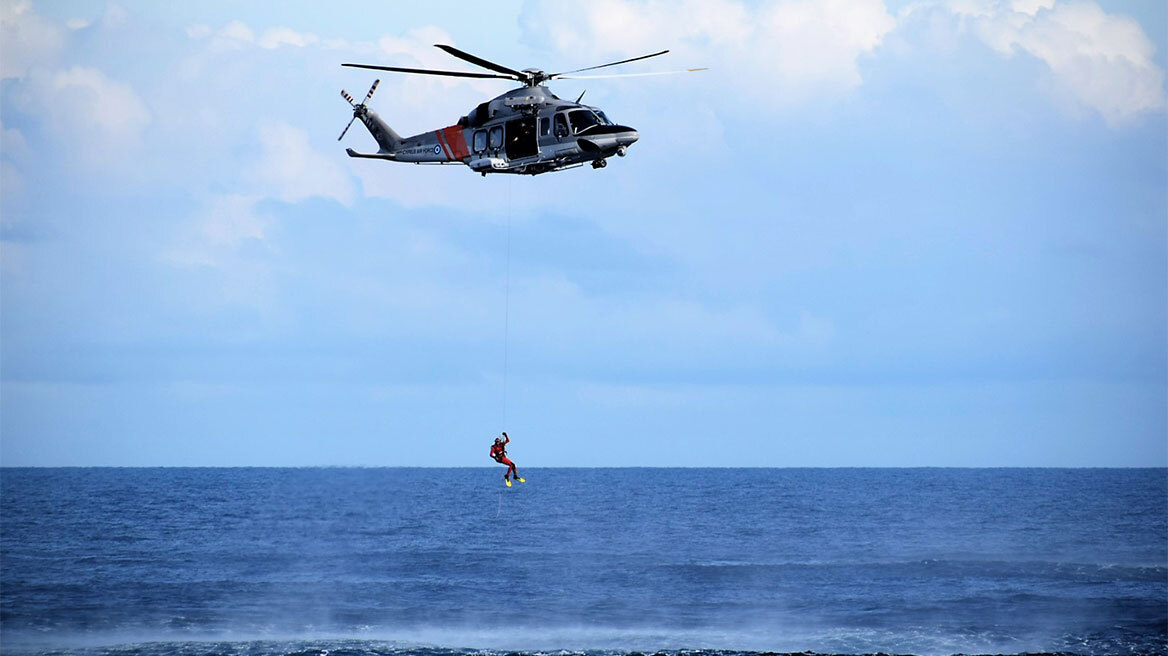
(353, 153)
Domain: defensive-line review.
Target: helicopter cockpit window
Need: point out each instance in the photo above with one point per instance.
(561, 125)
(603, 119)
(480, 141)
(582, 119)
(545, 126)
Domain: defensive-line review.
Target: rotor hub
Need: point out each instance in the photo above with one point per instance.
(534, 76)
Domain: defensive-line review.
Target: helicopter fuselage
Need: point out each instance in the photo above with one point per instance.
(528, 130)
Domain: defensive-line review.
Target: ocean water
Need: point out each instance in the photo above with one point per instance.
(437, 562)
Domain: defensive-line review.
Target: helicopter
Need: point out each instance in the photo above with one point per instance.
(527, 131)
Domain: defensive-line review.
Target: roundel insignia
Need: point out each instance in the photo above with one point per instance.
(437, 150)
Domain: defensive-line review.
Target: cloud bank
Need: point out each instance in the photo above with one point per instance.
(1100, 62)
(776, 52)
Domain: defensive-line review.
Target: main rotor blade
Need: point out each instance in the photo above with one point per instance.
(426, 71)
(623, 61)
(479, 61)
(598, 77)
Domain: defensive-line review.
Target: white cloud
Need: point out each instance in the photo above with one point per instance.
(619, 27)
(238, 31)
(13, 145)
(230, 220)
(13, 149)
(237, 34)
(1030, 6)
(418, 95)
(292, 170)
(785, 51)
(26, 41)
(199, 31)
(283, 36)
(1101, 61)
(817, 44)
(115, 16)
(217, 246)
(111, 107)
(794, 51)
(98, 120)
(220, 226)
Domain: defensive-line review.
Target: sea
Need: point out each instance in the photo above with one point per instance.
(606, 562)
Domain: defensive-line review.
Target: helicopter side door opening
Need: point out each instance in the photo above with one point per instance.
(521, 139)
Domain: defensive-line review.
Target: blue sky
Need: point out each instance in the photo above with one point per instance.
(873, 234)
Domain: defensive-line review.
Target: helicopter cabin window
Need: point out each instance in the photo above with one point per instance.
(497, 136)
(480, 141)
(545, 126)
(561, 125)
(582, 119)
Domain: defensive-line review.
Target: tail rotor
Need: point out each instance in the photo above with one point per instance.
(357, 109)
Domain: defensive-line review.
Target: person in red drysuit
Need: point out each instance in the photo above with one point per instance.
(499, 455)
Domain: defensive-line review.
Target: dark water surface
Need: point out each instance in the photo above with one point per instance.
(448, 561)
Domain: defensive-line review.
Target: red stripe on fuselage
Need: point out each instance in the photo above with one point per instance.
(442, 142)
(457, 142)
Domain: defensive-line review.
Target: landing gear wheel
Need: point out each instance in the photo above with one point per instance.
(599, 163)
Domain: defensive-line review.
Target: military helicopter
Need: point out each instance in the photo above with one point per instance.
(528, 130)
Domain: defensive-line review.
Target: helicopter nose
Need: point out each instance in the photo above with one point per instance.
(628, 137)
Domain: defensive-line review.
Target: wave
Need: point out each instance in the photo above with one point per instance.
(595, 641)
(354, 647)
(1062, 570)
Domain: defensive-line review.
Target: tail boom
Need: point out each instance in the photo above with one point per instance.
(388, 141)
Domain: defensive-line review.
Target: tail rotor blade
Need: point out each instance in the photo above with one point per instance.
(347, 127)
(371, 90)
(357, 109)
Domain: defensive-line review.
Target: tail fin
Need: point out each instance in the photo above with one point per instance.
(386, 138)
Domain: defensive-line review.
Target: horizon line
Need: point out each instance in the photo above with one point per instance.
(1164, 466)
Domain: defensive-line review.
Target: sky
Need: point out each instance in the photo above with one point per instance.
(874, 233)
